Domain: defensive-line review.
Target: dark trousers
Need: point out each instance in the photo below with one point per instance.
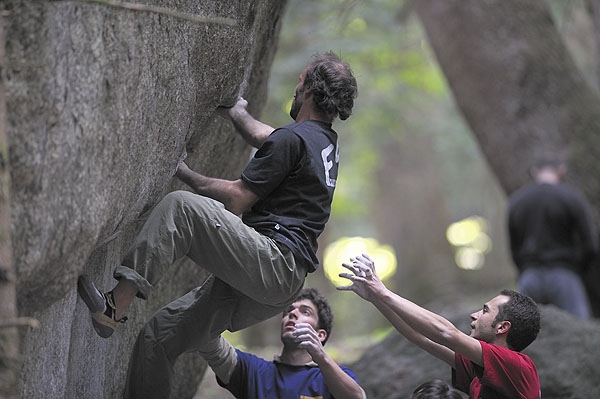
(182, 326)
(556, 285)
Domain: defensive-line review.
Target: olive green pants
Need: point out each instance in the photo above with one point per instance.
(254, 278)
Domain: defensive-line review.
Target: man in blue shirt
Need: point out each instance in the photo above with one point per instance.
(303, 370)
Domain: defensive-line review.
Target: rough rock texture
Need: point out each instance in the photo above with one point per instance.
(565, 353)
(102, 102)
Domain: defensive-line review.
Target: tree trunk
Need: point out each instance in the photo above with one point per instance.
(517, 86)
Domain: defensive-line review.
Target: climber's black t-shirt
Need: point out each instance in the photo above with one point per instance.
(294, 173)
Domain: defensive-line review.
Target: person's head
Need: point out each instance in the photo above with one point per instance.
(331, 84)
(548, 170)
(308, 307)
(524, 317)
(435, 389)
(512, 316)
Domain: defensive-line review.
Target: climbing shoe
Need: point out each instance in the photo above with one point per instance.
(101, 305)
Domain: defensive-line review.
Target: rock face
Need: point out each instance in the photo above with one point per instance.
(565, 353)
(102, 102)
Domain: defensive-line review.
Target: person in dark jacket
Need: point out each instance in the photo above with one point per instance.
(553, 239)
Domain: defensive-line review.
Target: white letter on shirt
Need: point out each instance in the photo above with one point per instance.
(329, 164)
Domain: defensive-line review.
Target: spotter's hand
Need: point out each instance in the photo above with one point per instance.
(308, 338)
(365, 282)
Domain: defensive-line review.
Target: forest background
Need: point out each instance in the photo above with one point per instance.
(411, 167)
